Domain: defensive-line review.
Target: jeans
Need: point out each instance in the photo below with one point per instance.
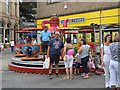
(84, 62)
(12, 48)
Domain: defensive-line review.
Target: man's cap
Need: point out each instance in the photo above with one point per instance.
(57, 33)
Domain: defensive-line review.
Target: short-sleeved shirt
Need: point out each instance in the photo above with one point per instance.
(55, 46)
(45, 35)
(12, 43)
(85, 51)
(115, 51)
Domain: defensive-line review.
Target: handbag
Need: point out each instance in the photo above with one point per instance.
(91, 64)
(46, 63)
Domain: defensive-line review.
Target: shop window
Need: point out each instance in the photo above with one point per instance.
(92, 37)
(8, 6)
(55, 1)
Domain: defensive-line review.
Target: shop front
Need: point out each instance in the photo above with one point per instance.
(107, 20)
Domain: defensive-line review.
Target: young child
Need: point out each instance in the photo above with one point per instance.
(77, 63)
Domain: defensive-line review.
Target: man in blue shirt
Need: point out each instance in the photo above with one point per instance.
(55, 49)
(45, 36)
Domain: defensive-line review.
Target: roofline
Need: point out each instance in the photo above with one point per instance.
(81, 12)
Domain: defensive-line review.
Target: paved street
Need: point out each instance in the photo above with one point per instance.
(11, 79)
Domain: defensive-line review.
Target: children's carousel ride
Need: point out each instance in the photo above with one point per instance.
(31, 61)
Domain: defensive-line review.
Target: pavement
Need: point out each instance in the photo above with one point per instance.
(11, 79)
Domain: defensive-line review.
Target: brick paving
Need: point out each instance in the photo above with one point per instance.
(11, 79)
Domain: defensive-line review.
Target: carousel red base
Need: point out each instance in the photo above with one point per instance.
(34, 70)
(20, 55)
(30, 58)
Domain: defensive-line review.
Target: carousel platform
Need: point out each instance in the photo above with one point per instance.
(33, 66)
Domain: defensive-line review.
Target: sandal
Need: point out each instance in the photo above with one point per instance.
(66, 77)
(71, 77)
(86, 77)
(57, 74)
(50, 77)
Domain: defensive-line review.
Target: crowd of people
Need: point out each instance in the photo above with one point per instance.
(55, 48)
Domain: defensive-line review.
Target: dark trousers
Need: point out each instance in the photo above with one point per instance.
(84, 62)
(12, 48)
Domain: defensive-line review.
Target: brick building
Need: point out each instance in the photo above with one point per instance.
(9, 20)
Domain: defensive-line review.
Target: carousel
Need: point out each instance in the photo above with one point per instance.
(28, 57)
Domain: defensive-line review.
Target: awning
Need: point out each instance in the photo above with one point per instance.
(27, 30)
(86, 30)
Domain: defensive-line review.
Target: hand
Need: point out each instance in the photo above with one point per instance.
(102, 64)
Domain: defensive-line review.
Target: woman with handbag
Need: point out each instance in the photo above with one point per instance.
(84, 51)
(68, 58)
(105, 58)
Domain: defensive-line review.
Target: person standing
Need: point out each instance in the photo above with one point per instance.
(68, 53)
(115, 62)
(55, 49)
(12, 44)
(105, 58)
(34, 41)
(45, 36)
(84, 51)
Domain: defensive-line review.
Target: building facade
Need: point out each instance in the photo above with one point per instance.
(83, 14)
(9, 20)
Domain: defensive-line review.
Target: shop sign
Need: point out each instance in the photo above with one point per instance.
(74, 20)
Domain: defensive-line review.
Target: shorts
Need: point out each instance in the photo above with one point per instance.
(69, 62)
(54, 58)
(45, 45)
(77, 64)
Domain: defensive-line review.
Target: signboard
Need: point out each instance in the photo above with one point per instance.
(97, 37)
(74, 20)
(80, 36)
(88, 37)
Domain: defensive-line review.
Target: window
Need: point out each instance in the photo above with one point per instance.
(55, 1)
(15, 9)
(8, 6)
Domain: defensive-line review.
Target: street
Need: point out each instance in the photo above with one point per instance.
(11, 79)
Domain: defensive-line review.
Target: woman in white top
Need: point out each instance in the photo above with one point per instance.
(12, 44)
(84, 51)
(34, 41)
(105, 58)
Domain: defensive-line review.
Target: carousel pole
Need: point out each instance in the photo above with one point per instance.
(100, 30)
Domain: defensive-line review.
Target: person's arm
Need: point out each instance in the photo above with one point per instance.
(80, 50)
(64, 49)
(50, 35)
(48, 52)
(41, 36)
(102, 55)
(90, 52)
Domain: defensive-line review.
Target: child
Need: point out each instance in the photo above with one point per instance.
(77, 63)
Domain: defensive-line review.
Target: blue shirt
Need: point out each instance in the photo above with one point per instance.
(55, 46)
(45, 35)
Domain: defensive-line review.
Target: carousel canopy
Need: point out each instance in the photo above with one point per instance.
(28, 30)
